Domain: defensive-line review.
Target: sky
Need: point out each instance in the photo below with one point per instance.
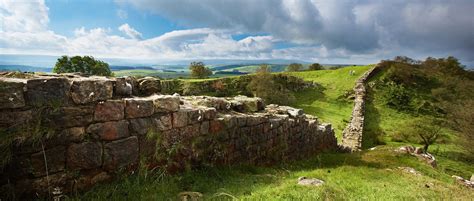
(324, 31)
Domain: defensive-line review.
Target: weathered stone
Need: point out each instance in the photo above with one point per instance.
(43, 185)
(11, 93)
(123, 86)
(55, 160)
(110, 130)
(14, 118)
(204, 127)
(138, 107)
(180, 118)
(109, 110)
(74, 116)
(295, 112)
(472, 178)
(148, 86)
(121, 153)
(166, 103)
(310, 181)
(163, 122)
(140, 126)
(216, 126)
(91, 90)
(48, 91)
(75, 134)
(250, 104)
(87, 155)
(91, 178)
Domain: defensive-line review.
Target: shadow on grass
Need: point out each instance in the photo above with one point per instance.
(372, 131)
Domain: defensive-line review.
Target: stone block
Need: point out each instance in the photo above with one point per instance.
(180, 118)
(109, 130)
(74, 134)
(138, 107)
(148, 86)
(163, 122)
(123, 86)
(55, 160)
(121, 153)
(110, 110)
(90, 90)
(216, 126)
(14, 118)
(87, 155)
(204, 127)
(166, 103)
(140, 126)
(11, 93)
(74, 116)
(48, 91)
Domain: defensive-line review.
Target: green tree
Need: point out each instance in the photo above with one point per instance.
(428, 131)
(85, 64)
(294, 67)
(199, 70)
(315, 66)
(264, 86)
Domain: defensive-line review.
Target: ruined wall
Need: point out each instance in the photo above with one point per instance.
(352, 134)
(71, 132)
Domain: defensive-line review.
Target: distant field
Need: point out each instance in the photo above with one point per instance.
(161, 74)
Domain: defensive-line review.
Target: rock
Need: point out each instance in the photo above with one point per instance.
(310, 181)
(410, 170)
(123, 87)
(91, 90)
(14, 118)
(138, 107)
(11, 93)
(140, 126)
(418, 150)
(109, 130)
(55, 160)
(86, 155)
(121, 153)
(148, 86)
(109, 110)
(204, 129)
(163, 122)
(48, 91)
(295, 112)
(472, 178)
(463, 181)
(190, 196)
(248, 104)
(180, 118)
(74, 116)
(74, 134)
(216, 126)
(166, 103)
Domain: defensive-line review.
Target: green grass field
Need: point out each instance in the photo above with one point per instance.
(367, 175)
(325, 104)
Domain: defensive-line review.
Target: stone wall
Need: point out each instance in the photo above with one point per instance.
(352, 134)
(71, 132)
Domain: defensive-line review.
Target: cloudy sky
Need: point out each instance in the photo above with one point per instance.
(325, 31)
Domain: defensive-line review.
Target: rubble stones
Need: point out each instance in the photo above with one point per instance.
(47, 91)
(136, 108)
(86, 155)
(123, 86)
(310, 181)
(121, 153)
(148, 86)
(109, 130)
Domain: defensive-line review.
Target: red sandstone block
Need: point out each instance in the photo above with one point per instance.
(109, 110)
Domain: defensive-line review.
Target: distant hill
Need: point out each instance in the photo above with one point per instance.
(116, 68)
(24, 68)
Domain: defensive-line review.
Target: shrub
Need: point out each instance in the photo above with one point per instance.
(198, 70)
(294, 67)
(397, 96)
(263, 85)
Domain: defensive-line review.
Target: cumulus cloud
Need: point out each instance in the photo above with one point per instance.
(362, 31)
(363, 26)
(122, 14)
(130, 32)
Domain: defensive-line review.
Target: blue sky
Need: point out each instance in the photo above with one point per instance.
(154, 31)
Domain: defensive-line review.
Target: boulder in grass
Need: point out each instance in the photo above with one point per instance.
(310, 181)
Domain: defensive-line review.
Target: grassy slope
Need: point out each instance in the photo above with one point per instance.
(368, 175)
(326, 105)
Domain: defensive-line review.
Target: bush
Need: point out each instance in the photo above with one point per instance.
(397, 96)
(263, 85)
(198, 70)
(85, 64)
(294, 67)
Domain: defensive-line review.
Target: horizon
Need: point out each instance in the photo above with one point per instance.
(159, 32)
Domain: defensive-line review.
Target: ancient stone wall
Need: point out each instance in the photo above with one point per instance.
(71, 132)
(352, 134)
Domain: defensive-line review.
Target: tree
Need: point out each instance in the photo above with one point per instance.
(85, 64)
(294, 67)
(264, 86)
(315, 66)
(199, 70)
(428, 131)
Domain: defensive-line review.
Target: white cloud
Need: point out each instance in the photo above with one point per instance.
(23, 16)
(122, 14)
(130, 32)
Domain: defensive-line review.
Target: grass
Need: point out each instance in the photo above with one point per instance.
(368, 175)
(326, 104)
